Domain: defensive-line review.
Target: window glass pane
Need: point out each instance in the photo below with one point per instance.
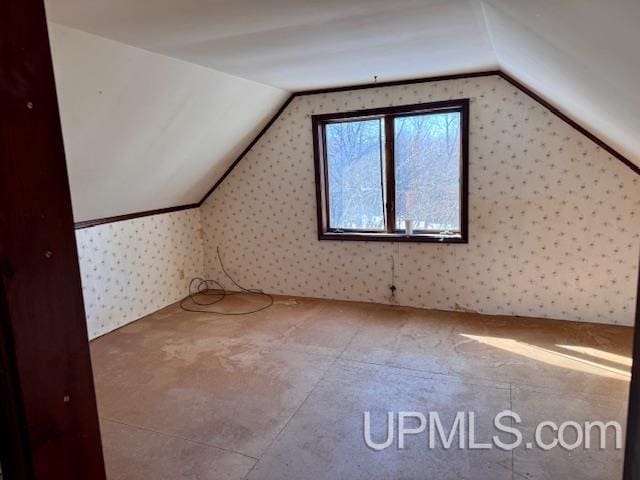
(354, 168)
(427, 163)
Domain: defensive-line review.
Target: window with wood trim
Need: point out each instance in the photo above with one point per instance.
(395, 174)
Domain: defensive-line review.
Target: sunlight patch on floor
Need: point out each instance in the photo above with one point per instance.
(558, 359)
(593, 352)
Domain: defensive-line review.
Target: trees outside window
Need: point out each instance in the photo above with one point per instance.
(378, 168)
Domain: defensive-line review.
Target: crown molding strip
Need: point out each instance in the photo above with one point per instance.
(527, 91)
(456, 76)
(249, 147)
(395, 83)
(488, 73)
(129, 216)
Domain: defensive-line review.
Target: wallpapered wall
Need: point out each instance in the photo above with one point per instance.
(134, 267)
(554, 228)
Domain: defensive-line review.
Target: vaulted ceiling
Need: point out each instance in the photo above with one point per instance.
(294, 44)
(581, 55)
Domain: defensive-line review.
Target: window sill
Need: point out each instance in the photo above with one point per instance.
(392, 237)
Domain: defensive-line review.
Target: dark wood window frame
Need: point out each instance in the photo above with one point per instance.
(389, 114)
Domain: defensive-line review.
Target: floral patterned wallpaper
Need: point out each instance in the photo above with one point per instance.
(135, 267)
(554, 228)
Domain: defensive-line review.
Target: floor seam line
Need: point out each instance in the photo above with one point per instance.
(512, 450)
(178, 437)
(266, 449)
(501, 385)
(505, 385)
(304, 352)
(355, 334)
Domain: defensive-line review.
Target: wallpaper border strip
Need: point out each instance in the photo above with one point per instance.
(527, 91)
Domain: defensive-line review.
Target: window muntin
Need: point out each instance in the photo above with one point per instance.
(377, 168)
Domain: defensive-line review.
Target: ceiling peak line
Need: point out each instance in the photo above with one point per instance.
(459, 76)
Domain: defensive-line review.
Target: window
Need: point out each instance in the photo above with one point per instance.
(397, 174)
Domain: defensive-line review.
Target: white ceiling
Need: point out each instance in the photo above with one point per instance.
(296, 44)
(582, 55)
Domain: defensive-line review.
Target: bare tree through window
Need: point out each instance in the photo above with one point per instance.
(372, 185)
(427, 162)
(354, 158)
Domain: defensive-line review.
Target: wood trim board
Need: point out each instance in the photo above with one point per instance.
(527, 91)
(634, 168)
(47, 395)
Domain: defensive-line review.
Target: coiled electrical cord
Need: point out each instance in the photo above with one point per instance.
(203, 289)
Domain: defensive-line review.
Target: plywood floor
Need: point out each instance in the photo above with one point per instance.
(280, 394)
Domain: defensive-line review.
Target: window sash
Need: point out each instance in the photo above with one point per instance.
(380, 183)
(387, 117)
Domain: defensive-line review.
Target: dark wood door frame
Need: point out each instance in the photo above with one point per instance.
(48, 412)
(632, 446)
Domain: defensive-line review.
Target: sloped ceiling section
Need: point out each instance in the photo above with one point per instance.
(144, 131)
(297, 44)
(581, 55)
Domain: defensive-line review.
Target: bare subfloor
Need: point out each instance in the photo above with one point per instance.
(280, 394)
